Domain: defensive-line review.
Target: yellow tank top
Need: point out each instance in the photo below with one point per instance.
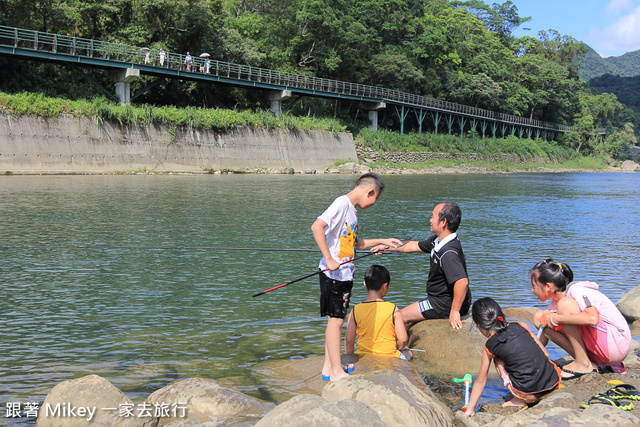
(375, 328)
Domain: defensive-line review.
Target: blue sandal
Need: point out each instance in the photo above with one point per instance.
(346, 368)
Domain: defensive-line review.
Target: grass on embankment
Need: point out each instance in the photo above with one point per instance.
(220, 120)
(223, 120)
(559, 156)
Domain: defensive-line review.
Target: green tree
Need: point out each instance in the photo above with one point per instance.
(501, 19)
(586, 133)
(476, 90)
(396, 71)
(618, 144)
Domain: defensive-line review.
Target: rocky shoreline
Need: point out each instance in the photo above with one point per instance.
(381, 392)
(365, 163)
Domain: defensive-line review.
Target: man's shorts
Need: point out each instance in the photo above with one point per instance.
(427, 310)
(334, 297)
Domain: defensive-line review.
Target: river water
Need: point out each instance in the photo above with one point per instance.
(124, 276)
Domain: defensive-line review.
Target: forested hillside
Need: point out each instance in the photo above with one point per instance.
(626, 89)
(593, 65)
(462, 51)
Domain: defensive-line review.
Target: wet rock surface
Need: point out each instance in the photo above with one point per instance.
(380, 391)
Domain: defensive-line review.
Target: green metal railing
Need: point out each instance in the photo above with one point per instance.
(134, 56)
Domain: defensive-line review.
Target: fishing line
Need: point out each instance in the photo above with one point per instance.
(172, 248)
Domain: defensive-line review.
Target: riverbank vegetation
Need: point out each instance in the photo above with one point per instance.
(460, 51)
(218, 119)
(223, 120)
(530, 154)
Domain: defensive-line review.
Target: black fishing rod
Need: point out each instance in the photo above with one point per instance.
(404, 242)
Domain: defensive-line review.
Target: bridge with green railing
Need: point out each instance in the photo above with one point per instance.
(125, 63)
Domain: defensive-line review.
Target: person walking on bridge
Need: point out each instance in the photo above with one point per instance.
(189, 61)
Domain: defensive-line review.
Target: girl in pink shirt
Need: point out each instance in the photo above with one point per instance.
(580, 319)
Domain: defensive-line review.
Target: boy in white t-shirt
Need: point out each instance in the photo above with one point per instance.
(336, 234)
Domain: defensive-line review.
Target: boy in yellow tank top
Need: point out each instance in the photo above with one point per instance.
(378, 324)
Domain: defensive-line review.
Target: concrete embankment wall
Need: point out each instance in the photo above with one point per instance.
(70, 144)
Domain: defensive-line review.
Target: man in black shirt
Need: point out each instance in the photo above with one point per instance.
(448, 293)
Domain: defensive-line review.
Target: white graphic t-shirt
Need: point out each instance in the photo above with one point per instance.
(341, 233)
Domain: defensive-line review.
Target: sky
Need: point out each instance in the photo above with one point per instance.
(610, 27)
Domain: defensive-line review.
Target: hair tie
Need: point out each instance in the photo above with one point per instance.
(500, 318)
(560, 266)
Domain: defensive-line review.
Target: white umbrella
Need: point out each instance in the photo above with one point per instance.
(204, 55)
(144, 48)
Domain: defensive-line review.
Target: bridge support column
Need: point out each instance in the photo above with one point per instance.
(276, 97)
(372, 109)
(123, 78)
(436, 119)
(420, 115)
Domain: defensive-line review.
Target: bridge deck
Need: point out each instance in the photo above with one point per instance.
(41, 46)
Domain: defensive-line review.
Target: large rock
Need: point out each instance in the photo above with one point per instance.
(558, 409)
(90, 400)
(629, 305)
(594, 415)
(313, 411)
(205, 400)
(629, 166)
(396, 400)
(632, 361)
(455, 352)
(287, 378)
(562, 406)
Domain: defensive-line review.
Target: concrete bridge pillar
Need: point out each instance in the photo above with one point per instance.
(372, 109)
(276, 97)
(123, 78)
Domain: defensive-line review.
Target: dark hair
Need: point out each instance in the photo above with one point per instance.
(376, 276)
(452, 213)
(548, 271)
(372, 179)
(485, 313)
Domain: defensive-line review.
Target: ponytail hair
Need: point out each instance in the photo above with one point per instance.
(487, 314)
(548, 271)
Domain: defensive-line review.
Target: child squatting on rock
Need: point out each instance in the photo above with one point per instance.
(516, 353)
(580, 319)
(377, 323)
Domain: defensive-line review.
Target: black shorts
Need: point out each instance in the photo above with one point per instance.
(334, 297)
(428, 311)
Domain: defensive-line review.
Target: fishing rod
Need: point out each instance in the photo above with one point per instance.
(404, 242)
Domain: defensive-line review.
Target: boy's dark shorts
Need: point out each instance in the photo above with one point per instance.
(334, 297)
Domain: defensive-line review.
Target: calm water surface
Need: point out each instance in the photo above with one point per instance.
(118, 275)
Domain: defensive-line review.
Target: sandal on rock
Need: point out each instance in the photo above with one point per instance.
(615, 369)
(623, 391)
(601, 399)
(575, 374)
(348, 368)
